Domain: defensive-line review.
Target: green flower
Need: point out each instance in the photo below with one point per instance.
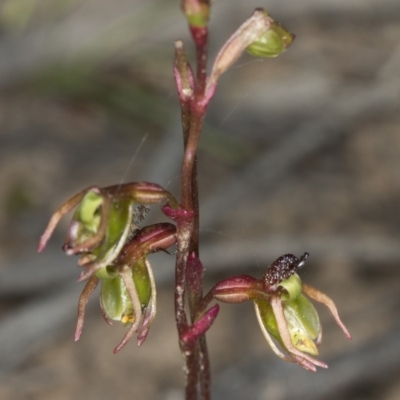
(283, 309)
(113, 250)
(128, 290)
(103, 221)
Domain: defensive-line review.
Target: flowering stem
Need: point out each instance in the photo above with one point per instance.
(193, 109)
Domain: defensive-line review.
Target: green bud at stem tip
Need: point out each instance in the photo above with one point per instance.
(271, 43)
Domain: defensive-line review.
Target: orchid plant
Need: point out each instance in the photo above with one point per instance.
(105, 232)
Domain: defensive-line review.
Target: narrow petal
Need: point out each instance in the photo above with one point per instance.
(328, 302)
(269, 339)
(104, 314)
(65, 208)
(142, 335)
(83, 300)
(151, 308)
(126, 275)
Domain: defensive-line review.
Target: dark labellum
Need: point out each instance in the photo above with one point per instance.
(283, 268)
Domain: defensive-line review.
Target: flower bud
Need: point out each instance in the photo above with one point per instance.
(272, 42)
(201, 326)
(197, 12)
(256, 25)
(259, 35)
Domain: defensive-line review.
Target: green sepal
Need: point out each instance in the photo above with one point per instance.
(142, 281)
(115, 301)
(301, 314)
(118, 229)
(119, 222)
(268, 318)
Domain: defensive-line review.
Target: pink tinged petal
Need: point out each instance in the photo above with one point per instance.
(303, 359)
(147, 320)
(142, 336)
(83, 300)
(144, 328)
(65, 208)
(92, 267)
(151, 309)
(126, 275)
(292, 359)
(104, 314)
(307, 365)
(201, 326)
(85, 260)
(328, 302)
(268, 337)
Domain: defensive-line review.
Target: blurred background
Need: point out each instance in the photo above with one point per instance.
(299, 153)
